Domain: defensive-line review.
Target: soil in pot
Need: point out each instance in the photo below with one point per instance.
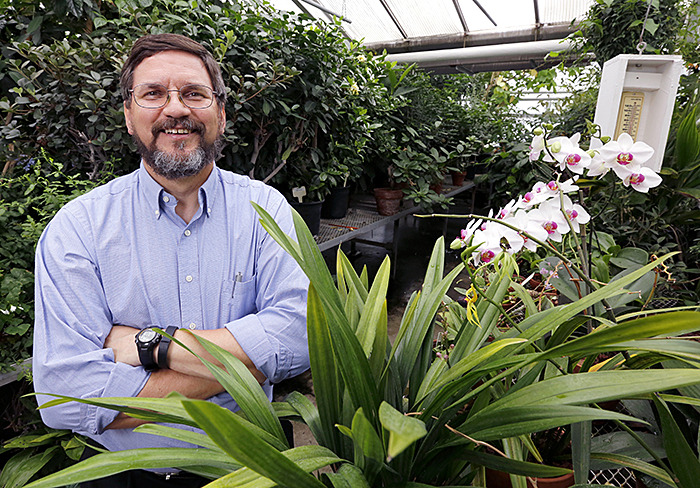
(311, 213)
(388, 200)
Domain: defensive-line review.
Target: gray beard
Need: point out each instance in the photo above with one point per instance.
(173, 166)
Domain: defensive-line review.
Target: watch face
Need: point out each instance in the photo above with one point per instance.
(147, 335)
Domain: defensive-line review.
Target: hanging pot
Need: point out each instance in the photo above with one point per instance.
(388, 200)
(311, 213)
(335, 206)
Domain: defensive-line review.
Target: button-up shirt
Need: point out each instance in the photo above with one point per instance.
(121, 255)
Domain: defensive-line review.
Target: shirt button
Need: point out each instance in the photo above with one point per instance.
(209, 210)
(166, 198)
(187, 233)
(157, 213)
(192, 325)
(188, 278)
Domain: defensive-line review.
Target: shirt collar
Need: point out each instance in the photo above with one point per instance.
(156, 195)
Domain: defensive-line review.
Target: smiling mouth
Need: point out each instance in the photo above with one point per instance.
(178, 131)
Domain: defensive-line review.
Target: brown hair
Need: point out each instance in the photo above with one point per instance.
(152, 44)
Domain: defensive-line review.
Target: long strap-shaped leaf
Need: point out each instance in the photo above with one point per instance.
(353, 364)
(598, 386)
(328, 386)
(110, 463)
(243, 388)
(652, 326)
(515, 421)
(167, 410)
(232, 435)
(411, 336)
(470, 338)
(308, 458)
(684, 462)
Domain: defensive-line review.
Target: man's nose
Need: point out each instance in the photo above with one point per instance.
(174, 107)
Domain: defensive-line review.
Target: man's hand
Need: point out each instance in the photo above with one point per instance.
(122, 341)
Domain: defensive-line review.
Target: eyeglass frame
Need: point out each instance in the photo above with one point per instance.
(214, 93)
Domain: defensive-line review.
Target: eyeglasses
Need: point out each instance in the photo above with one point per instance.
(155, 95)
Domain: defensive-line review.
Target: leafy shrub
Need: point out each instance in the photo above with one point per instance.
(30, 195)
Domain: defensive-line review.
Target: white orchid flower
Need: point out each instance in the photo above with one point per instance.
(642, 179)
(550, 218)
(625, 156)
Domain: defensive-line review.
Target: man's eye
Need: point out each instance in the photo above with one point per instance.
(153, 94)
(194, 94)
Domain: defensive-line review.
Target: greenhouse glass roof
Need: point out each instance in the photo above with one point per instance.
(447, 26)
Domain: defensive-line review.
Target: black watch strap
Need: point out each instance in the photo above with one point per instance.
(146, 342)
(163, 347)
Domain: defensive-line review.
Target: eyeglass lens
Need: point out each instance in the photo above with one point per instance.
(153, 95)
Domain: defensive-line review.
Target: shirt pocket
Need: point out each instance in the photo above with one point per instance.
(241, 298)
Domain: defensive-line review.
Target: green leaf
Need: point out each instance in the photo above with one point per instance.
(513, 466)
(492, 424)
(21, 467)
(687, 140)
(635, 464)
(242, 444)
(307, 458)
(109, 463)
(681, 457)
(403, 430)
(243, 387)
(348, 476)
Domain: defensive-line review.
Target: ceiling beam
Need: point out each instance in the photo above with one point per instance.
(472, 39)
(458, 8)
(394, 18)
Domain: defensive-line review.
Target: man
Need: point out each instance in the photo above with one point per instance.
(176, 245)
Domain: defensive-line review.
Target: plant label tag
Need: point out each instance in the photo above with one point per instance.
(299, 193)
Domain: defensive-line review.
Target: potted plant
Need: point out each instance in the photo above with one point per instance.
(390, 412)
(463, 159)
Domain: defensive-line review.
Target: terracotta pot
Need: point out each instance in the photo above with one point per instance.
(458, 178)
(436, 187)
(388, 200)
(499, 479)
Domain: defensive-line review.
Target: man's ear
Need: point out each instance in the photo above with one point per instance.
(222, 121)
(127, 118)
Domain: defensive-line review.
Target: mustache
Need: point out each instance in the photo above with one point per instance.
(180, 123)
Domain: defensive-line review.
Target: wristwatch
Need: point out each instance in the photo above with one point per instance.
(146, 342)
(165, 341)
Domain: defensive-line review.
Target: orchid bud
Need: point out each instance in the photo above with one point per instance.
(605, 139)
(548, 126)
(592, 152)
(555, 147)
(538, 131)
(457, 244)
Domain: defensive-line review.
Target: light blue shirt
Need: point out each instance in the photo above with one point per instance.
(121, 255)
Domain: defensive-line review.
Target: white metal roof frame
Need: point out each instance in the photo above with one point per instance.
(445, 32)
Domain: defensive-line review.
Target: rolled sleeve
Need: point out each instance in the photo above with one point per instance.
(71, 324)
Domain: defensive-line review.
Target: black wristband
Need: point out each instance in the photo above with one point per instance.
(163, 347)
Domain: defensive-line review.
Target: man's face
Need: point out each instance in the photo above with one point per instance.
(175, 141)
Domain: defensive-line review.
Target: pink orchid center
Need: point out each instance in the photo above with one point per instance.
(625, 158)
(550, 227)
(572, 214)
(552, 185)
(527, 197)
(487, 256)
(637, 178)
(573, 159)
(463, 234)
